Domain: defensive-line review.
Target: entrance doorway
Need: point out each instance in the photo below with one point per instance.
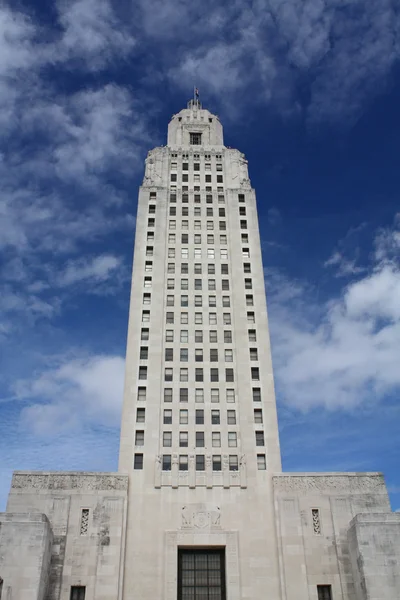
(201, 574)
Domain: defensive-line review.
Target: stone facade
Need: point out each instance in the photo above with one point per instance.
(199, 459)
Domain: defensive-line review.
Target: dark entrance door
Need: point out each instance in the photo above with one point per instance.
(201, 574)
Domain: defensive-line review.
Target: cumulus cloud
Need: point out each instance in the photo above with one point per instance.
(79, 392)
(343, 353)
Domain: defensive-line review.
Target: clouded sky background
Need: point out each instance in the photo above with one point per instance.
(309, 90)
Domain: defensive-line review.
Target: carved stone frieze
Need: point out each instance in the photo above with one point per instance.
(329, 483)
(201, 516)
(69, 481)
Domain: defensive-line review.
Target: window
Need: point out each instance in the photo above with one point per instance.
(184, 300)
(198, 300)
(170, 284)
(169, 354)
(173, 176)
(229, 377)
(144, 353)
(221, 212)
(152, 209)
(184, 268)
(185, 166)
(183, 439)
(215, 418)
(324, 592)
(199, 395)
(197, 225)
(221, 199)
(232, 439)
(316, 522)
(184, 238)
(185, 223)
(148, 267)
(259, 438)
(256, 394)
(227, 318)
(195, 139)
(255, 373)
(170, 300)
(167, 416)
(213, 336)
(245, 239)
(197, 269)
(216, 462)
(211, 284)
(169, 318)
(168, 395)
(210, 238)
(183, 416)
(185, 177)
(225, 285)
(171, 252)
(196, 166)
(214, 395)
(184, 354)
(146, 298)
(210, 225)
(212, 318)
(258, 418)
(199, 439)
(201, 573)
(241, 197)
(211, 269)
(231, 417)
(138, 462)
(144, 334)
(247, 267)
(198, 318)
(261, 462)
(184, 337)
(226, 301)
(246, 254)
(253, 354)
(184, 284)
(78, 592)
(220, 179)
(209, 211)
(214, 376)
(185, 211)
(198, 353)
(224, 269)
(185, 253)
(222, 225)
(233, 462)
(212, 301)
(166, 462)
(183, 462)
(172, 211)
(197, 211)
(197, 252)
(248, 284)
(199, 376)
(243, 224)
(83, 529)
(251, 317)
(228, 336)
(199, 416)
(184, 395)
(216, 439)
(145, 316)
(168, 374)
(139, 438)
(208, 180)
(172, 197)
(252, 335)
(213, 354)
(184, 318)
(200, 462)
(198, 336)
(209, 197)
(210, 253)
(242, 211)
(142, 373)
(197, 188)
(229, 355)
(167, 439)
(151, 222)
(171, 238)
(141, 395)
(197, 238)
(147, 282)
(171, 268)
(230, 395)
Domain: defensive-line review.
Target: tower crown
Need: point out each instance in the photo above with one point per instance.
(195, 126)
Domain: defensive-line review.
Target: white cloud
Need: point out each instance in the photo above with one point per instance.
(98, 269)
(345, 352)
(78, 392)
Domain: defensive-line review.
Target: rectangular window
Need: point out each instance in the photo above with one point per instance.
(138, 461)
(213, 336)
(233, 462)
(243, 224)
(199, 395)
(261, 462)
(167, 439)
(224, 254)
(171, 268)
(253, 354)
(212, 318)
(147, 282)
(214, 395)
(210, 225)
(185, 224)
(183, 462)
(184, 336)
(185, 211)
(251, 318)
(185, 300)
(201, 574)
(184, 284)
(83, 529)
(199, 376)
(184, 318)
(211, 269)
(260, 438)
(185, 166)
(199, 439)
(197, 211)
(258, 418)
(184, 395)
(229, 355)
(144, 334)
(198, 354)
(245, 238)
(142, 373)
(215, 417)
(185, 253)
(224, 269)
(231, 417)
(171, 238)
(242, 211)
(169, 354)
(184, 354)
(148, 267)
(170, 284)
(216, 439)
(222, 225)
(229, 376)
(324, 592)
(214, 376)
(197, 225)
(168, 395)
(195, 139)
(184, 268)
(198, 300)
(145, 316)
(255, 373)
(183, 439)
(141, 395)
(146, 298)
(228, 336)
(225, 285)
(210, 238)
(166, 462)
(170, 300)
(199, 416)
(210, 253)
(152, 209)
(172, 211)
(216, 462)
(144, 353)
(168, 374)
(198, 318)
(213, 354)
(256, 394)
(184, 416)
(151, 222)
(140, 415)
(200, 462)
(230, 395)
(197, 269)
(209, 211)
(212, 301)
(172, 197)
(167, 416)
(198, 336)
(211, 284)
(232, 439)
(252, 335)
(169, 318)
(184, 238)
(197, 238)
(171, 252)
(197, 252)
(78, 592)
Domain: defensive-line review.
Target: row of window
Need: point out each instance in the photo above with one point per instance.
(196, 166)
(198, 335)
(215, 417)
(200, 463)
(184, 195)
(198, 354)
(198, 317)
(198, 394)
(197, 253)
(197, 284)
(172, 198)
(195, 177)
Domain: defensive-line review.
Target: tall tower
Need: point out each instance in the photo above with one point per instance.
(199, 435)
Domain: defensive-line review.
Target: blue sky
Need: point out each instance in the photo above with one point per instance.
(309, 90)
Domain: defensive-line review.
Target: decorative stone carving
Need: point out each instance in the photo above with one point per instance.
(68, 481)
(329, 483)
(201, 516)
